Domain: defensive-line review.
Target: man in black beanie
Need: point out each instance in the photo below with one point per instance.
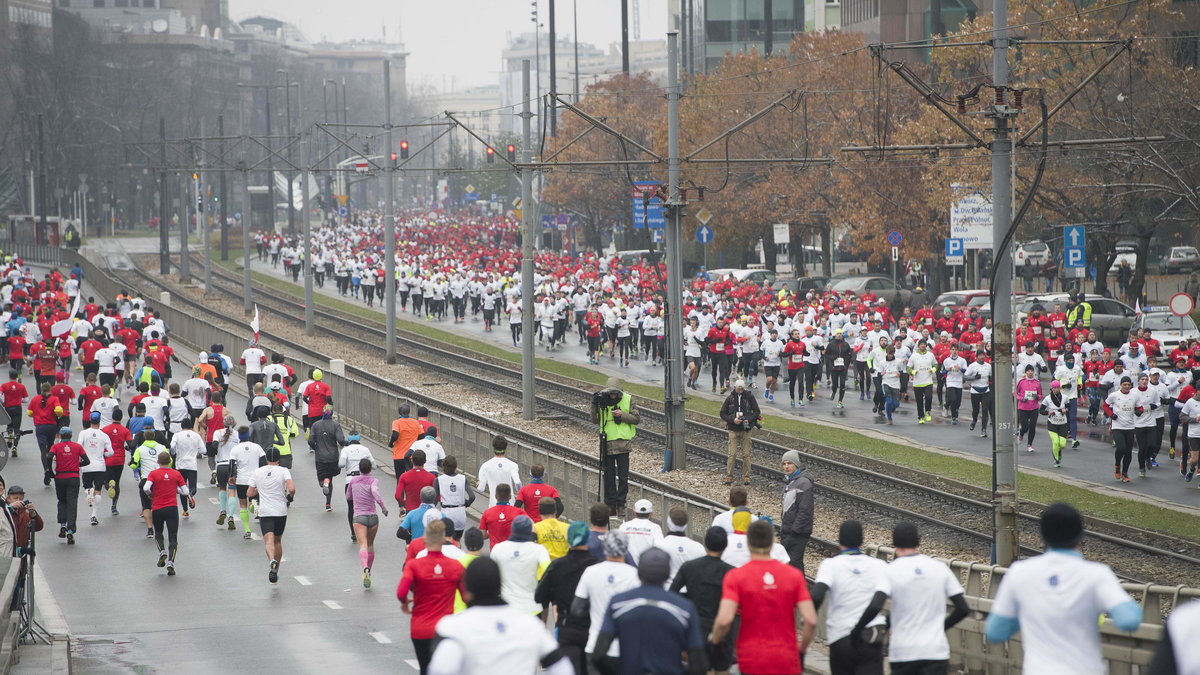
(491, 637)
(700, 581)
(918, 586)
(654, 626)
(849, 580)
(1054, 599)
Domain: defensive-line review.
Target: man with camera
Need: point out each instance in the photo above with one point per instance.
(741, 414)
(614, 411)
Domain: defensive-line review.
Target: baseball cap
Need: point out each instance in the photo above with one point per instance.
(577, 533)
(16, 490)
(740, 384)
(643, 506)
(65, 431)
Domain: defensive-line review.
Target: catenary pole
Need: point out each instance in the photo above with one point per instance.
(527, 235)
(223, 209)
(1004, 456)
(389, 220)
(675, 455)
(164, 235)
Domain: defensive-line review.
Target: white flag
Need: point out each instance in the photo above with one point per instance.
(60, 328)
(1137, 307)
(254, 325)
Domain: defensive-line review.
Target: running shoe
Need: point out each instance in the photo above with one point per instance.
(1117, 474)
(1124, 478)
(221, 518)
(273, 575)
(1141, 473)
(1075, 444)
(212, 480)
(954, 421)
(841, 405)
(187, 514)
(62, 532)
(889, 420)
(367, 578)
(231, 524)
(1189, 475)
(1029, 448)
(149, 533)
(328, 509)
(94, 521)
(793, 403)
(1171, 453)
(1153, 464)
(920, 420)
(162, 558)
(1057, 465)
(247, 536)
(983, 434)
(112, 489)
(115, 512)
(71, 538)
(928, 417)
(170, 568)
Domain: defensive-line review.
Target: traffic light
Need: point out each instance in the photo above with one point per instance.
(403, 149)
(394, 157)
(491, 155)
(511, 151)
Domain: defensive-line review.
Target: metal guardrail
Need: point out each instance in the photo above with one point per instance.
(371, 410)
(10, 621)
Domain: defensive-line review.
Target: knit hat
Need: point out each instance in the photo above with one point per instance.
(472, 539)
(522, 529)
(482, 579)
(792, 456)
(615, 545)
(428, 494)
(850, 534)
(905, 535)
(716, 539)
(1062, 526)
(577, 533)
(654, 566)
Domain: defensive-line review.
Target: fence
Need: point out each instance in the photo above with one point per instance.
(368, 403)
(10, 621)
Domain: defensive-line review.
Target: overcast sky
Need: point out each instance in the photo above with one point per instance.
(452, 44)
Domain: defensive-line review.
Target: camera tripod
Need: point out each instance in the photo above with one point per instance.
(32, 631)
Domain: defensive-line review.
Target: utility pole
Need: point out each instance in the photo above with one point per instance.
(291, 191)
(676, 456)
(553, 73)
(185, 265)
(202, 220)
(221, 210)
(41, 182)
(164, 237)
(768, 29)
(247, 209)
(527, 235)
(625, 37)
(1004, 455)
(389, 220)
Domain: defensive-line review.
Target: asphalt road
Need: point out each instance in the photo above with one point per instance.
(1089, 466)
(220, 611)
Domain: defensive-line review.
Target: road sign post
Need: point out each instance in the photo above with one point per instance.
(955, 251)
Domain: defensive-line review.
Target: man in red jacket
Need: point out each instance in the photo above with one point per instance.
(408, 487)
(432, 580)
(66, 457)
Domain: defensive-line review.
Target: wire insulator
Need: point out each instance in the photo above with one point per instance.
(700, 198)
(999, 95)
(962, 105)
(1018, 98)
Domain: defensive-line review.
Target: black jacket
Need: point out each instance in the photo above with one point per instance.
(557, 586)
(743, 402)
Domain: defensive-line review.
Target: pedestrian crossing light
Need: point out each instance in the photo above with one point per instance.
(511, 152)
(394, 158)
(403, 149)
(491, 155)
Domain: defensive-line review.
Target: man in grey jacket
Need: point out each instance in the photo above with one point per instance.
(797, 509)
(327, 440)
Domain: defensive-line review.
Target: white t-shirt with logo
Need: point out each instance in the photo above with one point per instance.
(852, 579)
(490, 639)
(737, 552)
(96, 444)
(681, 548)
(919, 587)
(519, 562)
(244, 457)
(187, 446)
(598, 584)
(642, 535)
(271, 483)
(1058, 597)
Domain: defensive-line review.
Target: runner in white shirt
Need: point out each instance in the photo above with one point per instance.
(1189, 414)
(97, 445)
(1122, 406)
(640, 532)
(497, 471)
(677, 544)
(918, 587)
(513, 309)
(156, 408)
(253, 359)
(187, 446)
(772, 349)
(273, 486)
(849, 580)
(955, 366)
(244, 458)
(599, 583)
(1054, 599)
(434, 452)
(196, 391)
(522, 562)
(105, 405)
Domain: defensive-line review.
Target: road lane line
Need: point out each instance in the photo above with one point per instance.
(303, 581)
(331, 604)
(412, 663)
(381, 638)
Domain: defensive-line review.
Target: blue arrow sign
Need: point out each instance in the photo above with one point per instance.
(895, 238)
(1074, 246)
(343, 211)
(704, 234)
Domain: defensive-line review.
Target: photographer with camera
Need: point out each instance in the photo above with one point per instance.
(741, 414)
(614, 411)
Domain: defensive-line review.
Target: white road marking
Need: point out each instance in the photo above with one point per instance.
(303, 581)
(381, 638)
(214, 500)
(412, 663)
(331, 604)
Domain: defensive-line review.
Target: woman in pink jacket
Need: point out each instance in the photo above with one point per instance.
(1029, 395)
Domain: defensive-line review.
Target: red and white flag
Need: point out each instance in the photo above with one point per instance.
(1137, 307)
(254, 326)
(60, 328)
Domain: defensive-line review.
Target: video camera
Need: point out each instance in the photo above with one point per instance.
(606, 398)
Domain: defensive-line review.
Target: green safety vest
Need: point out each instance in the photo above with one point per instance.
(614, 431)
(146, 374)
(1082, 311)
(288, 429)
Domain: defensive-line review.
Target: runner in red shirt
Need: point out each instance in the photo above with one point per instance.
(497, 521)
(16, 352)
(87, 354)
(88, 395)
(14, 394)
(530, 496)
(408, 487)
(114, 466)
(432, 580)
(45, 411)
(317, 395)
(163, 484)
(65, 394)
(65, 458)
(766, 592)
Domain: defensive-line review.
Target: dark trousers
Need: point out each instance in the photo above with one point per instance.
(1027, 424)
(920, 667)
(424, 650)
(839, 384)
(795, 544)
(616, 479)
(924, 395)
(862, 659)
(953, 400)
(812, 374)
(44, 433)
(1123, 454)
(1145, 443)
(981, 403)
(166, 518)
(67, 491)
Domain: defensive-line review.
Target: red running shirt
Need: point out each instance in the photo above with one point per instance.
(766, 592)
(433, 581)
(66, 459)
(14, 393)
(497, 522)
(119, 435)
(167, 482)
(531, 495)
(318, 394)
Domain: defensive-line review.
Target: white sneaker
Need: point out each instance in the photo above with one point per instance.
(1029, 448)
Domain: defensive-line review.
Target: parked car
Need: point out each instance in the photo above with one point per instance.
(880, 286)
(959, 300)
(1035, 252)
(1110, 318)
(1167, 328)
(761, 277)
(800, 286)
(1126, 252)
(1180, 260)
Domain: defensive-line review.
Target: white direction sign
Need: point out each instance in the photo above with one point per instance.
(971, 217)
(782, 233)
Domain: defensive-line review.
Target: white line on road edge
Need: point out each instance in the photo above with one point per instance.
(214, 500)
(381, 638)
(412, 663)
(331, 604)
(303, 581)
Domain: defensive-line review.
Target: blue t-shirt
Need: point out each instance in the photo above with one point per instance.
(414, 521)
(654, 626)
